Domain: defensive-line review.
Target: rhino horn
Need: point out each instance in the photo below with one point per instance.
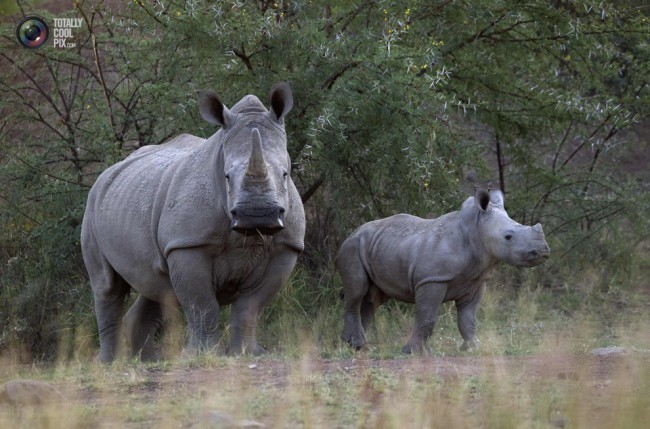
(256, 162)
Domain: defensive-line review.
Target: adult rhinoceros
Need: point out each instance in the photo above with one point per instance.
(196, 222)
(431, 261)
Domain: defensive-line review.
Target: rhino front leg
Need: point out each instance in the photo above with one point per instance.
(428, 298)
(190, 271)
(246, 309)
(466, 317)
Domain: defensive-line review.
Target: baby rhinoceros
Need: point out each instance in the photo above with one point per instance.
(431, 261)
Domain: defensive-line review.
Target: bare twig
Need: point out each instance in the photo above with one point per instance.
(500, 164)
(100, 72)
(18, 209)
(47, 173)
(561, 145)
(584, 143)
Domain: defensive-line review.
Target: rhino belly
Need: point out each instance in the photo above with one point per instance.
(133, 256)
(390, 266)
(399, 263)
(124, 224)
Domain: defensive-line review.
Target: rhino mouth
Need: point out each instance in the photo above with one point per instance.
(268, 221)
(537, 256)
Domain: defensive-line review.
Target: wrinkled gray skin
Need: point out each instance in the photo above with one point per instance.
(198, 223)
(431, 261)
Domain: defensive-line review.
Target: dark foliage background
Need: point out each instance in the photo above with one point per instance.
(399, 107)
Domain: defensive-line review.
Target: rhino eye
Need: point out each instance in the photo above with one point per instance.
(228, 177)
(285, 174)
(508, 236)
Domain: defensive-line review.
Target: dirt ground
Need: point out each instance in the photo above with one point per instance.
(157, 384)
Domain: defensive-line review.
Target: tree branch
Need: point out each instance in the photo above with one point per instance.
(500, 165)
(576, 150)
(329, 82)
(246, 59)
(312, 189)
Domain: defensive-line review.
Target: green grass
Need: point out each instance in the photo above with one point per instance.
(533, 369)
(368, 393)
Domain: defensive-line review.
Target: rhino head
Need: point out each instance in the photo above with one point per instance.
(256, 165)
(505, 239)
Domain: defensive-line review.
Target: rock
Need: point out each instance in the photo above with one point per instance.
(570, 375)
(218, 419)
(29, 392)
(250, 424)
(559, 421)
(607, 351)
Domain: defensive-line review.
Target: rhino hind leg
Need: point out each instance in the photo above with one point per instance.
(110, 291)
(142, 322)
(371, 302)
(356, 284)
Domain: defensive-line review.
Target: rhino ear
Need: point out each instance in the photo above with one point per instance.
(497, 199)
(213, 110)
(482, 199)
(281, 100)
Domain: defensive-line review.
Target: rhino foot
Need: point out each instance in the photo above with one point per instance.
(149, 357)
(419, 349)
(254, 350)
(408, 349)
(470, 345)
(356, 342)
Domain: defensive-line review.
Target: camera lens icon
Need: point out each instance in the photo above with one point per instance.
(32, 32)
